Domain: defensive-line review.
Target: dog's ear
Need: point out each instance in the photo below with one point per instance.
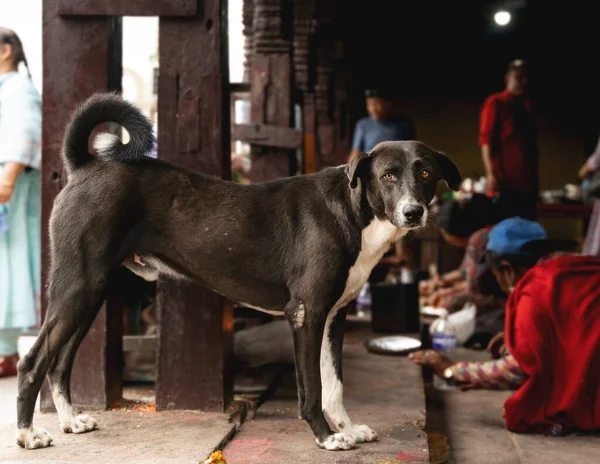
(449, 171)
(357, 168)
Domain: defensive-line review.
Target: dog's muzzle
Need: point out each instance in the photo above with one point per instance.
(412, 215)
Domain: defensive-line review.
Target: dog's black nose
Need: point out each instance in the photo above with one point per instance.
(413, 212)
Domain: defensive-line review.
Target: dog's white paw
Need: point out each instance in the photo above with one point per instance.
(361, 433)
(80, 424)
(33, 438)
(338, 441)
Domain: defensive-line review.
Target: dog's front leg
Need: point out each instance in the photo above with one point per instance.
(307, 327)
(331, 378)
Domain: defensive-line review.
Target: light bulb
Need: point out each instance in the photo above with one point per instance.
(502, 18)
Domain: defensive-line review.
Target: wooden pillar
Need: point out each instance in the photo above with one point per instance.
(81, 56)
(195, 325)
(341, 116)
(325, 55)
(248, 22)
(304, 59)
(271, 86)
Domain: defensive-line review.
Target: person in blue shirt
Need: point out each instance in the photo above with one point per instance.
(382, 125)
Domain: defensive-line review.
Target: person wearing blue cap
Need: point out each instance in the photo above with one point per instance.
(381, 125)
(514, 246)
(552, 334)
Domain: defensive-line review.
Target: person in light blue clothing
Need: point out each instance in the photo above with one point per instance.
(20, 200)
(382, 125)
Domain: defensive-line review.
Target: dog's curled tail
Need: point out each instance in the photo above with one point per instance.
(100, 108)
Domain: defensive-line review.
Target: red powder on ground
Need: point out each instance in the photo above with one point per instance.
(401, 456)
(126, 405)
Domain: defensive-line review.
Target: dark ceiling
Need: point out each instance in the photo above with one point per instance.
(443, 47)
(453, 49)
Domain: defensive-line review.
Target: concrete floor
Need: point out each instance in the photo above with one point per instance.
(383, 392)
(477, 434)
(123, 436)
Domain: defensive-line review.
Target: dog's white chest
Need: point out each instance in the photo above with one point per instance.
(376, 240)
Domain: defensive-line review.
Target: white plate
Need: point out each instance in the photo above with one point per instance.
(393, 344)
(431, 311)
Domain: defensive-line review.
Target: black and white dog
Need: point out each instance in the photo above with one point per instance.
(301, 246)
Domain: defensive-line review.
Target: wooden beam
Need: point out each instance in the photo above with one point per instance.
(80, 58)
(266, 135)
(127, 7)
(196, 325)
(239, 87)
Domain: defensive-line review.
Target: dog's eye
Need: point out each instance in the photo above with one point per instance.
(389, 176)
(425, 174)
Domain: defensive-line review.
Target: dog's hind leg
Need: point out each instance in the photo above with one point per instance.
(75, 295)
(331, 379)
(307, 327)
(59, 376)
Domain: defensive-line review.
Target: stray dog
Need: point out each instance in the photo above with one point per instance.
(302, 247)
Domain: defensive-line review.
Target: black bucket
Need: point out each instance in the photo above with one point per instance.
(395, 308)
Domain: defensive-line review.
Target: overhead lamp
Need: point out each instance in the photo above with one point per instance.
(502, 17)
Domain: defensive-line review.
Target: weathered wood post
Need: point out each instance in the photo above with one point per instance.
(196, 325)
(81, 56)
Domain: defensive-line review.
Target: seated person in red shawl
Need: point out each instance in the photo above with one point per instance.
(552, 335)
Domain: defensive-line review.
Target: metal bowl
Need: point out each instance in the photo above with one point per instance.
(393, 345)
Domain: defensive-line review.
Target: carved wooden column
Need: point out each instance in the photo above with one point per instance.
(341, 115)
(271, 91)
(248, 23)
(325, 55)
(304, 28)
(343, 128)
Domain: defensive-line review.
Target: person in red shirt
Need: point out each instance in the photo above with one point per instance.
(508, 140)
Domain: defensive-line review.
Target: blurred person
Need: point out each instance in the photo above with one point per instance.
(466, 224)
(381, 125)
(509, 145)
(458, 220)
(20, 200)
(552, 334)
(592, 238)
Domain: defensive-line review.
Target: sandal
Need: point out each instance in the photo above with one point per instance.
(8, 365)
